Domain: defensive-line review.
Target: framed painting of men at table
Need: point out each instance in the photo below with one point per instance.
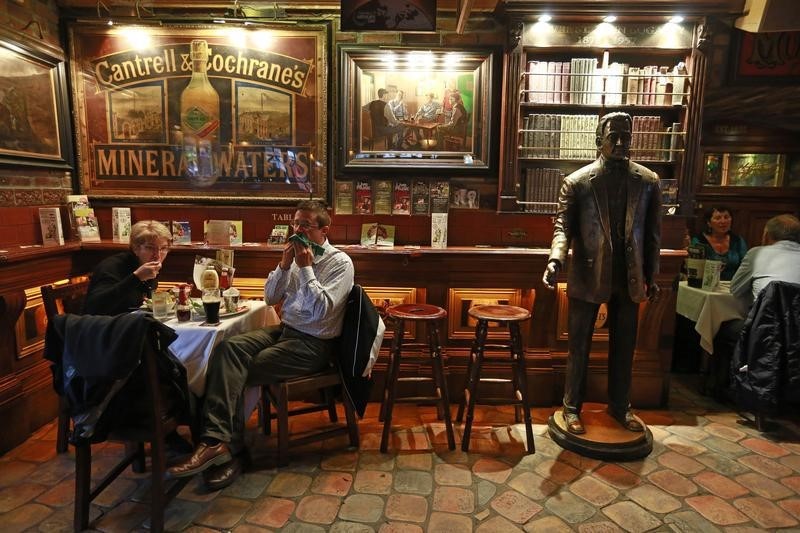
(201, 112)
(417, 109)
(33, 104)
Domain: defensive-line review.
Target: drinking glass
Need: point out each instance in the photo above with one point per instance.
(211, 303)
(160, 305)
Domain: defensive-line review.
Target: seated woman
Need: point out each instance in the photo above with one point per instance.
(121, 282)
(720, 243)
(457, 123)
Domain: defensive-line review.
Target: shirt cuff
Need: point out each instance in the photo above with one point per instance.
(306, 274)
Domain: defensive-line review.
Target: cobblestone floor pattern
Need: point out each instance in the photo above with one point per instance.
(707, 472)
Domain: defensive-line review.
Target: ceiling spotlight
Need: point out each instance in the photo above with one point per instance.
(610, 18)
(677, 19)
(545, 18)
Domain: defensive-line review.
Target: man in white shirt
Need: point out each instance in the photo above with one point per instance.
(778, 259)
(314, 290)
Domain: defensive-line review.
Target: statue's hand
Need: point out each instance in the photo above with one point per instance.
(653, 292)
(550, 272)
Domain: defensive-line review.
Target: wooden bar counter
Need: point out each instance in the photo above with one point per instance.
(453, 278)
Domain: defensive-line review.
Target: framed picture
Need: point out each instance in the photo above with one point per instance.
(765, 58)
(184, 112)
(417, 109)
(383, 15)
(462, 326)
(33, 108)
(384, 297)
(744, 170)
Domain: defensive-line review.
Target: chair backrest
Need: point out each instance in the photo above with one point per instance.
(60, 298)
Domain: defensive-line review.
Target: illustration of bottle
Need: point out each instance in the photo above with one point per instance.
(200, 119)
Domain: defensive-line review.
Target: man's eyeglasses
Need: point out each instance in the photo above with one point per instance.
(304, 224)
(162, 250)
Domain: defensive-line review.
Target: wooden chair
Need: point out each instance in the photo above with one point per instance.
(60, 298)
(324, 384)
(158, 419)
(368, 139)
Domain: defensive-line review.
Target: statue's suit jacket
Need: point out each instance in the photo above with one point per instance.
(582, 222)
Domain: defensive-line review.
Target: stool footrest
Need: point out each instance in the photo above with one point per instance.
(496, 401)
(418, 399)
(414, 379)
(318, 435)
(495, 380)
(497, 360)
(417, 345)
(497, 346)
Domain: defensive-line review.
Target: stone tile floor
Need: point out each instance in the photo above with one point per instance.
(707, 472)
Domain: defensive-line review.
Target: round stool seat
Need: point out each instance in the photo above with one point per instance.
(416, 312)
(499, 313)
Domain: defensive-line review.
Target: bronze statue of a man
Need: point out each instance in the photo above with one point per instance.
(609, 213)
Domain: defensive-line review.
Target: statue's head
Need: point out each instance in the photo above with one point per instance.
(614, 136)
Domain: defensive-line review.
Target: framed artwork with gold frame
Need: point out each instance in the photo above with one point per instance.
(191, 111)
(600, 324)
(443, 105)
(33, 107)
(383, 297)
(462, 326)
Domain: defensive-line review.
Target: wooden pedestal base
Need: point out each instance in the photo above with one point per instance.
(605, 438)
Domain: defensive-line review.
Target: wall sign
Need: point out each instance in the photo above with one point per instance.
(222, 114)
(767, 57)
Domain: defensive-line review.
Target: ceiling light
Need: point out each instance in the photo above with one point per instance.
(677, 19)
(545, 18)
(610, 18)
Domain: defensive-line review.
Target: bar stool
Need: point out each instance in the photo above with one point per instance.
(430, 314)
(511, 316)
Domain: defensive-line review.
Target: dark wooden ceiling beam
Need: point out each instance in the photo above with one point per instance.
(464, 9)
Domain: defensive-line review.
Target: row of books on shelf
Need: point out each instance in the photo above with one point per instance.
(552, 136)
(559, 136)
(392, 197)
(582, 81)
(652, 142)
(541, 190)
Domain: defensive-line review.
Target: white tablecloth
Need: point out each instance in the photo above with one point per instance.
(196, 342)
(708, 309)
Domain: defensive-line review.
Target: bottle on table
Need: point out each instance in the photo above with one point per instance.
(224, 280)
(210, 278)
(183, 309)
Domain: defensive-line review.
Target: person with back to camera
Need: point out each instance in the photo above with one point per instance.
(609, 213)
(121, 282)
(384, 123)
(719, 242)
(313, 290)
(777, 259)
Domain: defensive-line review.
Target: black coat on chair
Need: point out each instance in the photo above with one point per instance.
(766, 361)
